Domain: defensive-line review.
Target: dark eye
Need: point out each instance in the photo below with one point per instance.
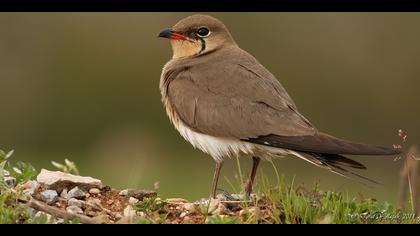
(203, 32)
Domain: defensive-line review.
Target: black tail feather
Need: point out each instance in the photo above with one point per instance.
(335, 164)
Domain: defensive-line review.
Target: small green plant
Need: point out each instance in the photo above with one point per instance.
(143, 221)
(3, 161)
(67, 167)
(23, 172)
(149, 205)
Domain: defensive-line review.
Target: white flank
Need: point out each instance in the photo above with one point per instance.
(220, 148)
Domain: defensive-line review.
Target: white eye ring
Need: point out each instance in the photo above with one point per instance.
(204, 30)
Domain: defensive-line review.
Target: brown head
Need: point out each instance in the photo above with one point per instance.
(197, 35)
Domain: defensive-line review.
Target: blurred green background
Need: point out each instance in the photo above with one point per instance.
(84, 86)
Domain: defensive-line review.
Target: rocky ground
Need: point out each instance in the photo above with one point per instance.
(60, 196)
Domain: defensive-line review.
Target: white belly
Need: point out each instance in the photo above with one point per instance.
(220, 148)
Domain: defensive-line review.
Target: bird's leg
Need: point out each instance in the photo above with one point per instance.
(255, 163)
(215, 178)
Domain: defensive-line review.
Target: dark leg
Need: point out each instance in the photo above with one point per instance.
(255, 163)
(215, 178)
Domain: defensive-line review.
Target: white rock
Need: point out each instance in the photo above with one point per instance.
(94, 191)
(133, 200)
(30, 187)
(74, 210)
(49, 196)
(77, 193)
(214, 204)
(124, 192)
(75, 202)
(190, 207)
(64, 194)
(58, 180)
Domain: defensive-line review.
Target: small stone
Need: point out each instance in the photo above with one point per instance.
(75, 202)
(10, 181)
(133, 200)
(58, 221)
(49, 196)
(6, 173)
(64, 194)
(190, 207)
(74, 210)
(87, 195)
(94, 191)
(77, 193)
(141, 214)
(30, 187)
(94, 202)
(124, 192)
(183, 214)
(110, 201)
(221, 210)
(118, 215)
(214, 204)
(217, 208)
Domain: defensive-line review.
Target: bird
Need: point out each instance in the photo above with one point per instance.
(225, 103)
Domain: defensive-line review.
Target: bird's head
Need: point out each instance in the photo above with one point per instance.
(197, 35)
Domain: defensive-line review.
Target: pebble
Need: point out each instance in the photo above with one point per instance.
(75, 202)
(94, 191)
(94, 202)
(10, 181)
(190, 207)
(217, 208)
(183, 214)
(214, 204)
(118, 215)
(49, 196)
(64, 194)
(59, 221)
(6, 173)
(77, 193)
(124, 192)
(133, 200)
(74, 210)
